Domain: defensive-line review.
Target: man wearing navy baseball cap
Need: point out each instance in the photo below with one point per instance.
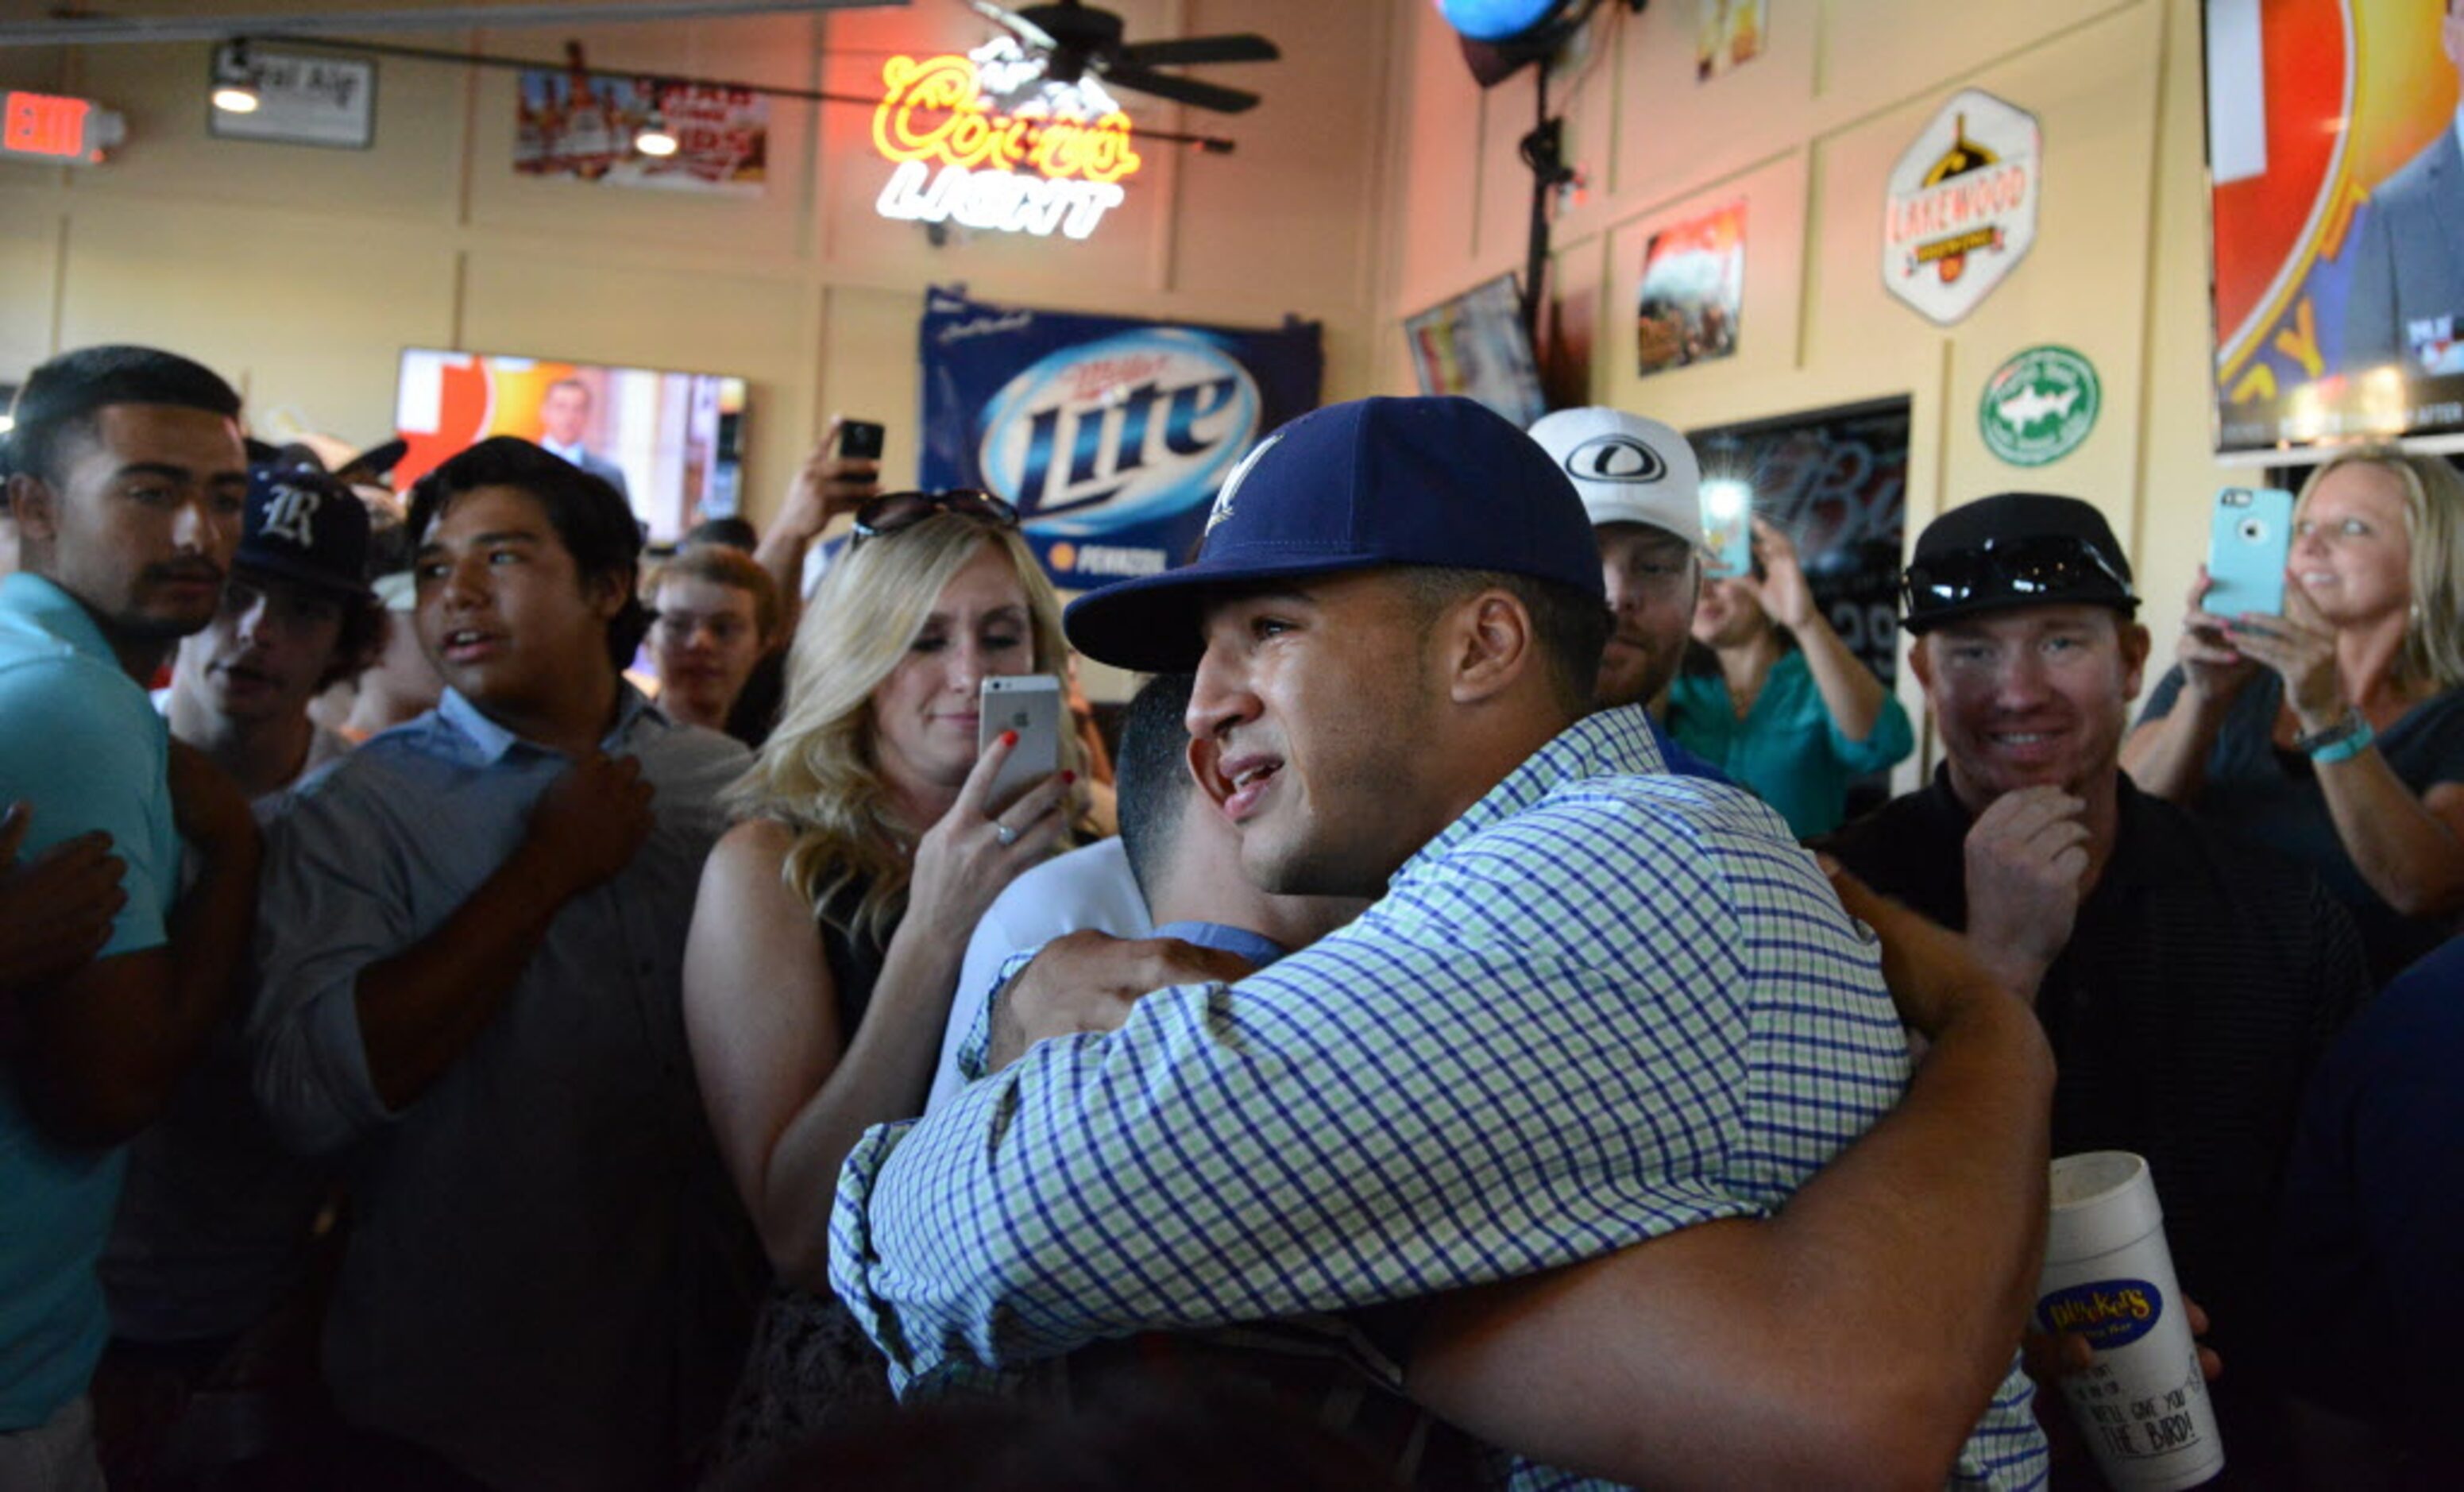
(1599, 1017)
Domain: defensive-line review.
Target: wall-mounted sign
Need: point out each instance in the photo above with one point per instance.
(580, 127)
(301, 101)
(1693, 291)
(985, 141)
(1728, 33)
(1962, 211)
(61, 130)
(2039, 405)
(1109, 435)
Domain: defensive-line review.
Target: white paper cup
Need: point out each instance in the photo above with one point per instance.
(2143, 1406)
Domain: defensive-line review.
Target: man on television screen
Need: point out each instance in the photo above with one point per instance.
(564, 417)
(2407, 299)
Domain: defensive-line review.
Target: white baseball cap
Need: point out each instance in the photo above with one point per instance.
(1629, 469)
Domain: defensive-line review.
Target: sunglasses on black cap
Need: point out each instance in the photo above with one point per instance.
(2050, 569)
(891, 512)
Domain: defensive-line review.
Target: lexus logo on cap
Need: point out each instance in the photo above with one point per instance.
(1615, 458)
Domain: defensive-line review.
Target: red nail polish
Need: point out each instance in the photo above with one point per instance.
(1068, 777)
(1010, 738)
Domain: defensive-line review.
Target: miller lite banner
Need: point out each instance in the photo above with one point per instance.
(1962, 211)
(1109, 436)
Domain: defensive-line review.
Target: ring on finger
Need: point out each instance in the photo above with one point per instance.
(1005, 834)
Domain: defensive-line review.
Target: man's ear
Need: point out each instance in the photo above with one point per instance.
(2135, 643)
(607, 591)
(34, 506)
(1921, 659)
(1490, 645)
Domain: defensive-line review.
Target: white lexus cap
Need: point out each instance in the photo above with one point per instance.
(1629, 469)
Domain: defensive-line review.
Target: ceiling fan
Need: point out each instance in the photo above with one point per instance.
(1075, 40)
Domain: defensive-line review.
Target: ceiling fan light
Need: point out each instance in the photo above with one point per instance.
(237, 98)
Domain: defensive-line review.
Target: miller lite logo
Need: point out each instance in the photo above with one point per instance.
(1130, 429)
(1615, 458)
(292, 514)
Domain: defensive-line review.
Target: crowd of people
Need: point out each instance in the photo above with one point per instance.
(478, 1014)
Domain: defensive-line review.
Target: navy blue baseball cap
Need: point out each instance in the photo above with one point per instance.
(1379, 482)
(305, 527)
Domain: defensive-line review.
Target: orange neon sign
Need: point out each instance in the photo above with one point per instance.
(934, 111)
(44, 124)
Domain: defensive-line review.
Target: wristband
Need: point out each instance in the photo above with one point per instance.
(2341, 741)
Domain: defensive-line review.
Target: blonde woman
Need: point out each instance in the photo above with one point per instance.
(827, 938)
(2335, 732)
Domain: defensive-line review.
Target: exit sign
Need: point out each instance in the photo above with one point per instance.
(50, 127)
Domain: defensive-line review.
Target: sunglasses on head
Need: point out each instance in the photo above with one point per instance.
(891, 512)
(2035, 569)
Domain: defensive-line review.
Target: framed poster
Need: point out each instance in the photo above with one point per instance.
(1692, 292)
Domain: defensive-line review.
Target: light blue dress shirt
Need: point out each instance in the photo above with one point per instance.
(1601, 1007)
(536, 1286)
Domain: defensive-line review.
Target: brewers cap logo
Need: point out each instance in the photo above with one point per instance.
(1222, 508)
(1615, 458)
(292, 514)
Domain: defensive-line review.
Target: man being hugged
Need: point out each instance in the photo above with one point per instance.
(1601, 1017)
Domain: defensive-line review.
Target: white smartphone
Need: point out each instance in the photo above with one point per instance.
(1029, 704)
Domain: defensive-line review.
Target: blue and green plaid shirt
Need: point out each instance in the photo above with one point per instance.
(1605, 1004)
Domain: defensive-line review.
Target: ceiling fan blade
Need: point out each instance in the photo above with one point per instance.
(1190, 50)
(1179, 90)
(1016, 25)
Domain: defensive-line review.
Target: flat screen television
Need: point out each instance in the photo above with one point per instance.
(1476, 344)
(2337, 196)
(672, 442)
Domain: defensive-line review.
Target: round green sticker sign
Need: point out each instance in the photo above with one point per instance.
(2039, 405)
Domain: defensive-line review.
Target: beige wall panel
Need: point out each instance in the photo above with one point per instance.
(1674, 132)
(2083, 284)
(1239, 219)
(29, 262)
(1434, 200)
(1876, 52)
(1763, 375)
(411, 171)
(772, 49)
(868, 372)
(759, 329)
(304, 313)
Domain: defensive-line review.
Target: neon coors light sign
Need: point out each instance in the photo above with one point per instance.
(1055, 160)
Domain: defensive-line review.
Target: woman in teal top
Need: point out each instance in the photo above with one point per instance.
(1770, 695)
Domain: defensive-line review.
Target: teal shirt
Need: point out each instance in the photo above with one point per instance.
(80, 740)
(1787, 749)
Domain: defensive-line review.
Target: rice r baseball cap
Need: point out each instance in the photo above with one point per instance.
(305, 527)
(1442, 482)
(1629, 469)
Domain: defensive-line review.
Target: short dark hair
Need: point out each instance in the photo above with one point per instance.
(1571, 626)
(62, 399)
(589, 515)
(730, 533)
(1150, 777)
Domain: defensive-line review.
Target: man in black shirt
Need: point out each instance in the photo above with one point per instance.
(2187, 986)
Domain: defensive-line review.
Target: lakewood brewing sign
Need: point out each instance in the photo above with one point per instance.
(1962, 209)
